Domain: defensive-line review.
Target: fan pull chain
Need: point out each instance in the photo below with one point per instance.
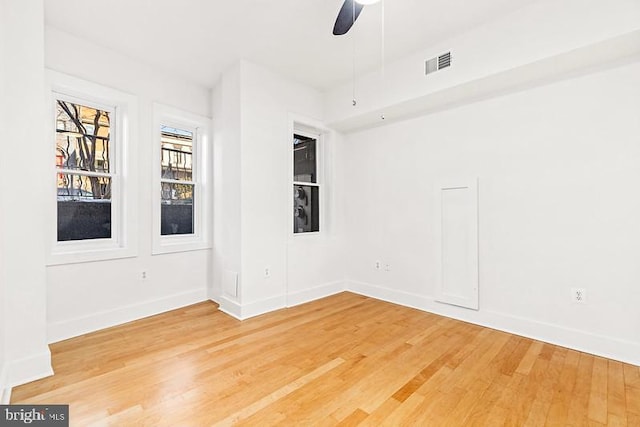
(382, 47)
(353, 56)
(382, 57)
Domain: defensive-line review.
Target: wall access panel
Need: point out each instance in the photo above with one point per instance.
(457, 243)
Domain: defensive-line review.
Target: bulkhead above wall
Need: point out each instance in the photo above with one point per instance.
(511, 53)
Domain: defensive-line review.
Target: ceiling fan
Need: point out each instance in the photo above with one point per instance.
(348, 14)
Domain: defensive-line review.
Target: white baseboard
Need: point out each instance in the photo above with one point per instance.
(621, 350)
(256, 308)
(267, 305)
(28, 369)
(390, 295)
(308, 295)
(5, 390)
(230, 307)
(5, 395)
(599, 345)
(59, 331)
(252, 309)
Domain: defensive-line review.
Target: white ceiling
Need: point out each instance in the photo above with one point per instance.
(199, 39)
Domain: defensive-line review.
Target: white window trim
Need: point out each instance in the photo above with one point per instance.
(306, 127)
(123, 241)
(201, 126)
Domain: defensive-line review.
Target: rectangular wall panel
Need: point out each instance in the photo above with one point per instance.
(457, 243)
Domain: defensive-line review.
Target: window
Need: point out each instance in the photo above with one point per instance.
(181, 206)
(177, 181)
(306, 185)
(93, 211)
(84, 170)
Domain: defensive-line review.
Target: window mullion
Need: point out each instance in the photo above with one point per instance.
(308, 184)
(84, 173)
(177, 181)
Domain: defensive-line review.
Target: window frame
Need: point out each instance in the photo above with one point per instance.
(112, 174)
(164, 115)
(318, 135)
(122, 243)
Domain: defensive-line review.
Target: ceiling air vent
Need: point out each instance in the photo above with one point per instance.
(438, 63)
(444, 60)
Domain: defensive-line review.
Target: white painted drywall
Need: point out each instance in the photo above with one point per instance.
(543, 29)
(558, 206)
(81, 58)
(226, 182)
(26, 354)
(260, 106)
(267, 101)
(83, 297)
(3, 318)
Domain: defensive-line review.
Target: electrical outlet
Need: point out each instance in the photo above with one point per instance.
(579, 295)
(378, 264)
(387, 267)
(143, 275)
(267, 272)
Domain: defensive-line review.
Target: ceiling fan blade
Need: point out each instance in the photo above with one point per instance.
(346, 17)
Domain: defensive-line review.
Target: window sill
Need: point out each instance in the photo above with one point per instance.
(173, 244)
(76, 255)
(307, 235)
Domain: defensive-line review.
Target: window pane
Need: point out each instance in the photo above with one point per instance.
(84, 207)
(176, 210)
(306, 216)
(304, 159)
(82, 137)
(177, 154)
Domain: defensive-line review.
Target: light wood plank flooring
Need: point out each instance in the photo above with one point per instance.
(343, 360)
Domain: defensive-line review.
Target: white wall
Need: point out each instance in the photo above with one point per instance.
(310, 266)
(84, 297)
(26, 355)
(83, 59)
(559, 208)
(3, 319)
(267, 103)
(226, 192)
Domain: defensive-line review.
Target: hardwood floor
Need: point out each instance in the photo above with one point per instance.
(344, 360)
